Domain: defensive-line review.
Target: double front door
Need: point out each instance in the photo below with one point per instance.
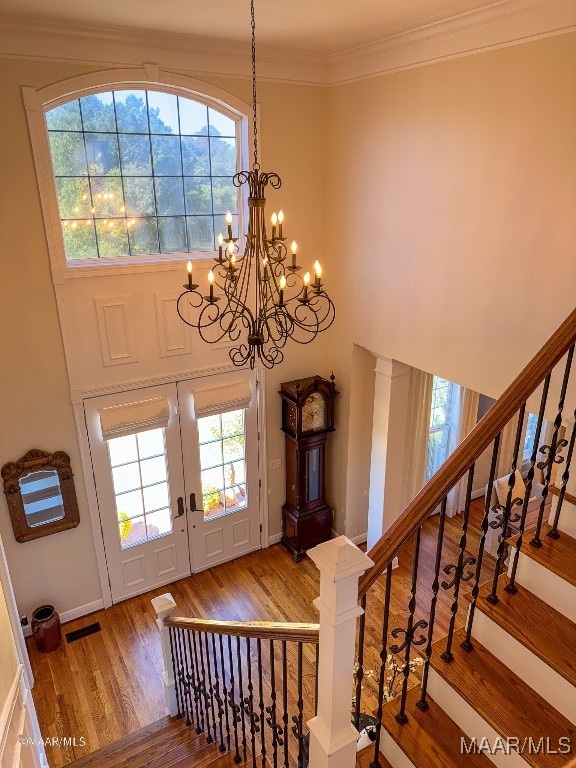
(176, 478)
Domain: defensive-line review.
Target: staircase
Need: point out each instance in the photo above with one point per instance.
(168, 743)
(499, 687)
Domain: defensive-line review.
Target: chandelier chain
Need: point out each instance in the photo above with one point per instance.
(254, 119)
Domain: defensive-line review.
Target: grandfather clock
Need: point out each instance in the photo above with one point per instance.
(307, 418)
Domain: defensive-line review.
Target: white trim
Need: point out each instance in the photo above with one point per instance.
(275, 539)
(492, 26)
(92, 498)
(12, 608)
(478, 493)
(262, 457)
(37, 102)
(7, 712)
(361, 538)
(75, 613)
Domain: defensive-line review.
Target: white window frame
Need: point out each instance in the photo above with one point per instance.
(447, 427)
(149, 77)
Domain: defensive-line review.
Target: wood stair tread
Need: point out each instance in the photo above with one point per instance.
(543, 630)
(557, 555)
(365, 757)
(167, 743)
(160, 729)
(429, 739)
(503, 700)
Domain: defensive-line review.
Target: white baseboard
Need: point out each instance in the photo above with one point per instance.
(73, 613)
(478, 492)
(360, 539)
(275, 539)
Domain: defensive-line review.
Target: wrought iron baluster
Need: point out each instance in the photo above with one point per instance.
(187, 672)
(249, 705)
(182, 675)
(511, 586)
(552, 455)
(193, 680)
(553, 532)
(298, 719)
(360, 663)
(241, 693)
(217, 697)
(384, 660)
(460, 574)
(171, 631)
(422, 703)
(261, 701)
(199, 686)
(224, 692)
(285, 703)
(271, 710)
(206, 686)
(467, 644)
(233, 703)
(500, 552)
(410, 631)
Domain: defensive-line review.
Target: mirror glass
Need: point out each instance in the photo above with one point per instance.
(42, 497)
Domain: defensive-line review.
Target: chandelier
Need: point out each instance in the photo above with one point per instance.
(257, 296)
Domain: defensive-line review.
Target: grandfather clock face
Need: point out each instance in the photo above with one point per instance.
(314, 413)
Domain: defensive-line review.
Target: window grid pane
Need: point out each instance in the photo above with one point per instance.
(140, 482)
(222, 462)
(439, 429)
(133, 173)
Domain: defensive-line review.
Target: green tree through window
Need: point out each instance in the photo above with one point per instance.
(140, 173)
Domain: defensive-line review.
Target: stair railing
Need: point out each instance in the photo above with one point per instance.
(249, 686)
(405, 622)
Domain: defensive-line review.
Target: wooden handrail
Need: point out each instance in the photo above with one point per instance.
(567, 496)
(487, 429)
(265, 630)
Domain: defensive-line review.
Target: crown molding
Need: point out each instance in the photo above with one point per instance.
(497, 25)
(28, 37)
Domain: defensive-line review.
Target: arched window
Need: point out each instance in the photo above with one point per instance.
(141, 172)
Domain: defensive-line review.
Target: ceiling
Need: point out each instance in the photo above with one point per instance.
(320, 26)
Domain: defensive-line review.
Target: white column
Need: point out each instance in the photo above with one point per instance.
(332, 736)
(164, 606)
(387, 461)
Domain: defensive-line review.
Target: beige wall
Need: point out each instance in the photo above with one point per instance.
(451, 198)
(36, 408)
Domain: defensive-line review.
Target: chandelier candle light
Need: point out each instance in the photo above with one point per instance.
(263, 300)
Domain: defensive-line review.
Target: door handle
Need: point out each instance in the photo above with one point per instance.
(180, 506)
(193, 507)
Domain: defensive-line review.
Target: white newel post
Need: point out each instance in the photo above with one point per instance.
(164, 606)
(332, 736)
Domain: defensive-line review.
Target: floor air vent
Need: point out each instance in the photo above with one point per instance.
(89, 629)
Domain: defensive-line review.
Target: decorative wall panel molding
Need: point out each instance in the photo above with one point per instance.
(115, 329)
(174, 336)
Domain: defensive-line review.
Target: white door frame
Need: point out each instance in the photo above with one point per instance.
(78, 397)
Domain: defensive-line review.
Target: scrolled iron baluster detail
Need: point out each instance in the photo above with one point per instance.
(189, 679)
(552, 454)
(499, 511)
(382, 676)
(171, 631)
(502, 547)
(224, 692)
(248, 705)
(216, 697)
(360, 663)
(199, 691)
(261, 701)
(193, 681)
(232, 703)
(241, 695)
(297, 729)
(206, 687)
(459, 574)
(182, 674)
(511, 586)
(271, 721)
(422, 704)
(553, 532)
(467, 644)
(410, 631)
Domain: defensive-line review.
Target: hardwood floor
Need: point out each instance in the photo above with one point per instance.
(108, 685)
